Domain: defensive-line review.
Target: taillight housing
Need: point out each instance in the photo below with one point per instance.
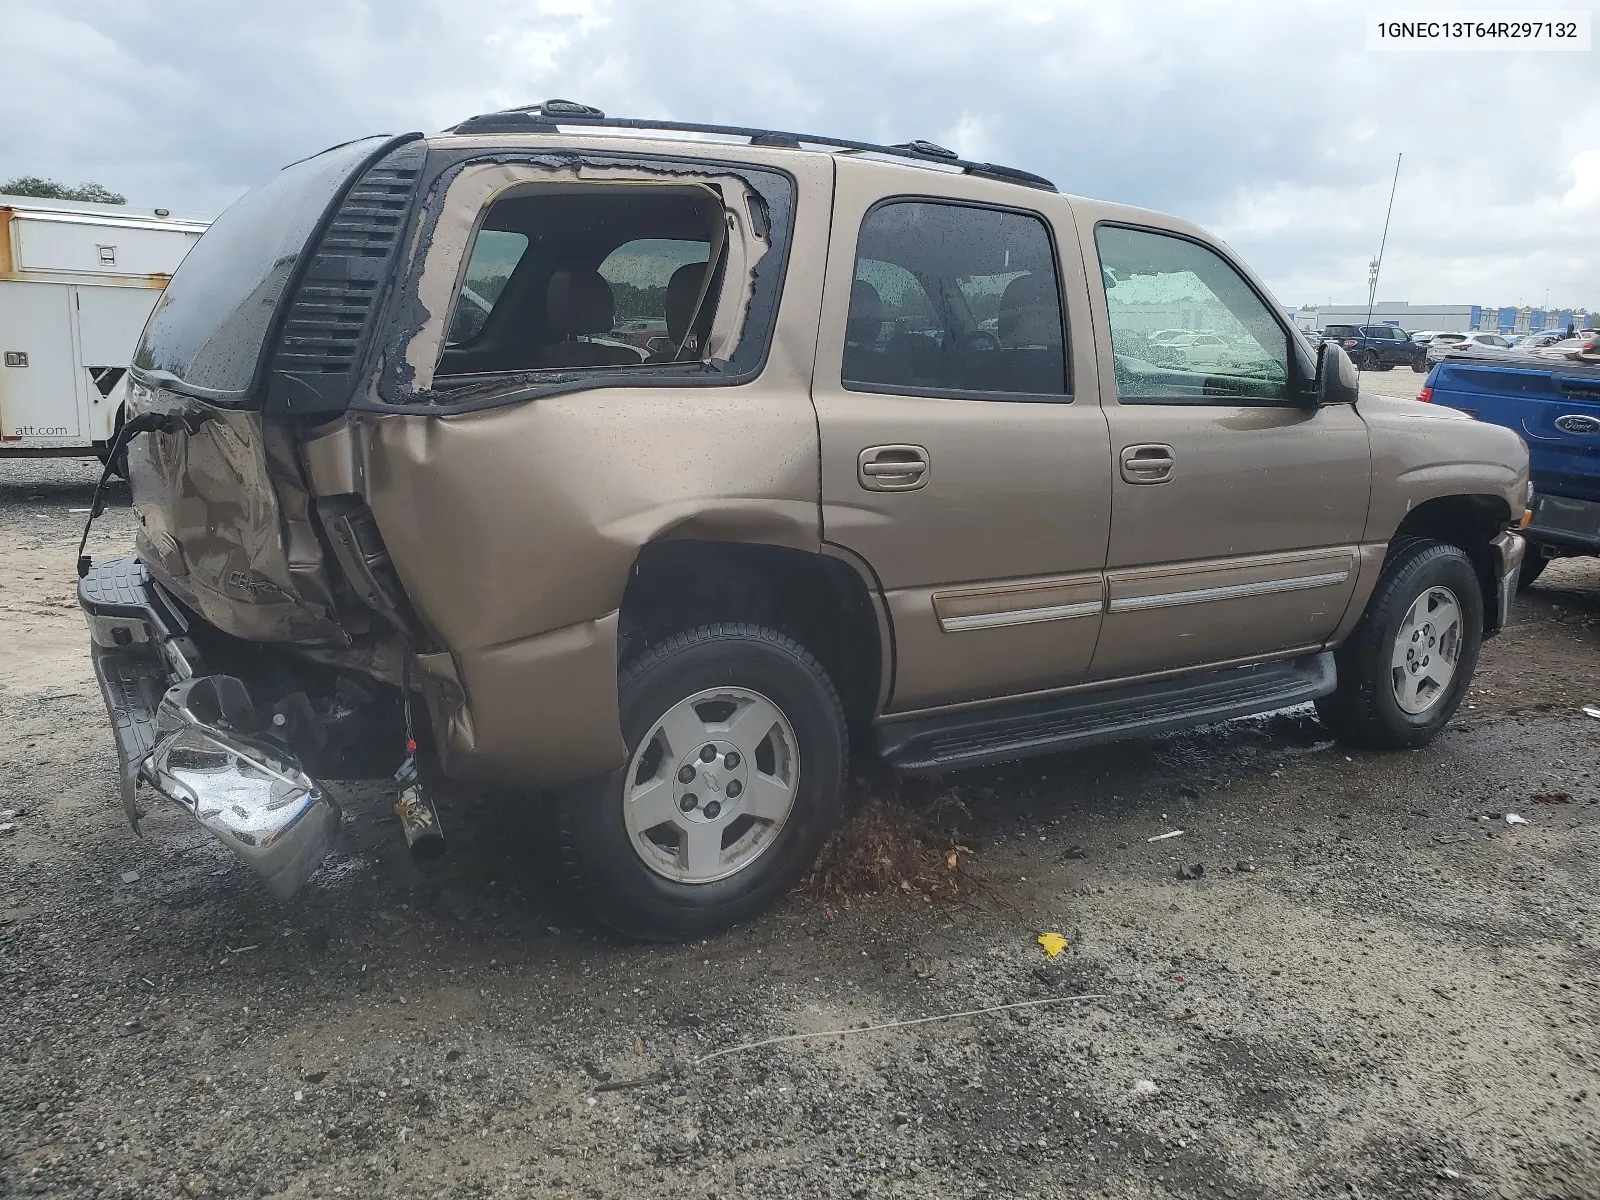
(1426, 394)
(1350, 343)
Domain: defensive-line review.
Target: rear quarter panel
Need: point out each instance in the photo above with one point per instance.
(514, 529)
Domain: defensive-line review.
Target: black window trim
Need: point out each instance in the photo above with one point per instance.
(394, 393)
(1293, 346)
(1067, 396)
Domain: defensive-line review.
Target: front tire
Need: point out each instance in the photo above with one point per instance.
(737, 747)
(1406, 666)
(1419, 364)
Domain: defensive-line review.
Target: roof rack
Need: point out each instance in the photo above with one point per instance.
(546, 117)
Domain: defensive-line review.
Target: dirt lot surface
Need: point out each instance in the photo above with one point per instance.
(1377, 988)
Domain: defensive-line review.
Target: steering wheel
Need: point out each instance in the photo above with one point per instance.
(974, 339)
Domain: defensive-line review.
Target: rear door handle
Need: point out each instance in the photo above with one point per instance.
(1149, 462)
(892, 468)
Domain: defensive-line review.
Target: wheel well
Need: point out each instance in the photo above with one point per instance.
(1469, 522)
(819, 601)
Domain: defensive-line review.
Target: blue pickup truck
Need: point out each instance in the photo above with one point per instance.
(1555, 407)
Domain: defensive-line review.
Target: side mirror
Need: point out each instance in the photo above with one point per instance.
(1337, 381)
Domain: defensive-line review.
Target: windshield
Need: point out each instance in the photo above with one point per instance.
(209, 327)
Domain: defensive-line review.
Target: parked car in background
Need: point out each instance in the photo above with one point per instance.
(1377, 347)
(1467, 343)
(1165, 337)
(1585, 347)
(1199, 349)
(1545, 337)
(641, 331)
(666, 598)
(1554, 406)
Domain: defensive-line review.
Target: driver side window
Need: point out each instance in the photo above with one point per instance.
(1185, 326)
(957, 300)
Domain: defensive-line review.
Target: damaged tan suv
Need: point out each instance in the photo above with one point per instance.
(655, 468)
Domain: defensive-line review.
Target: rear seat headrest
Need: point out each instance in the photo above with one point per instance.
(580, 302)
(1030, 314)
(865, 321)
(683, 289)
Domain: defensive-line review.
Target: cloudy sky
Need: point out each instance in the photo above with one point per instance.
(1270, 123)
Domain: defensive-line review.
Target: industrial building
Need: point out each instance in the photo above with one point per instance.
(1453, 317)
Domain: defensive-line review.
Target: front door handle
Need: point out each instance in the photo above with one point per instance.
(1150, 462)
(892, 468)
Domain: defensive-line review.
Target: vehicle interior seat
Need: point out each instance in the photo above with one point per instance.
(683, 289)
(580, 303)
(864, 359)
(1030, 335)
(1029, 314)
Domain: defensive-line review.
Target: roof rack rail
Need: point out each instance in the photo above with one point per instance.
(545, 117)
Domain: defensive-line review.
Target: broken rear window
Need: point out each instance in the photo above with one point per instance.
(601, 276)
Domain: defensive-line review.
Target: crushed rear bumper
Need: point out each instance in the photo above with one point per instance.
(196, 738)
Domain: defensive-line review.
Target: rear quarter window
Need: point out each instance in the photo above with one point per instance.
(210, 325)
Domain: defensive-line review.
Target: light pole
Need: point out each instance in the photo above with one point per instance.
(1377, 263)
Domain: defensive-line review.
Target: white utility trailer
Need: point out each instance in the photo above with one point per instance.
(77, 282)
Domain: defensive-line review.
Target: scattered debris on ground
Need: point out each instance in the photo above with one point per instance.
(887, 847)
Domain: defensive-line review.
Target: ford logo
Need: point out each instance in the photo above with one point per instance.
(1578, 423)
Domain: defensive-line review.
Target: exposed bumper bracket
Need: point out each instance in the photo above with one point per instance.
(195, 738)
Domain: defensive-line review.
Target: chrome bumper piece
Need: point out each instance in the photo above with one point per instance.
(196, 738)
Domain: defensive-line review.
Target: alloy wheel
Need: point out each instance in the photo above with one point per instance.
(711, 785)
(1427, 649)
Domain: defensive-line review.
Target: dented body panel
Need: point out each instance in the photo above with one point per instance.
(514, 529)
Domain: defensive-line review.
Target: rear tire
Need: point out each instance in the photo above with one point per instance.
(1407, 664)
(650, 869)
(1369, 360)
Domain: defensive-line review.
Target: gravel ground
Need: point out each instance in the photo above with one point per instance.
(1377, 988)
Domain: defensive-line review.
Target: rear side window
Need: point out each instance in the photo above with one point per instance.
(606, 277)
(951, 299)
(1235, 350)
(212, 321)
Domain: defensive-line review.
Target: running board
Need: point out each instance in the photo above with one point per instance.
(974, 737)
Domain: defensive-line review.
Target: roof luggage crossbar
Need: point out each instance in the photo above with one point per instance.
(548, 116)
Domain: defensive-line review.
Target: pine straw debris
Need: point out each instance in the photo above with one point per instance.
(886, 847)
